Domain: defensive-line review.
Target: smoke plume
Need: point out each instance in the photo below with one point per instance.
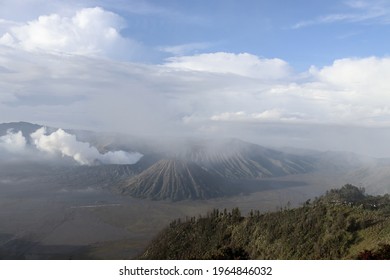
(66, 145)
(59, 143)
(13, 142)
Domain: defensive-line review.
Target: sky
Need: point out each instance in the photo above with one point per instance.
(304, 73)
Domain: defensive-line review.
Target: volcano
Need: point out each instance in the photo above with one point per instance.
(203, 170)
(174, 179)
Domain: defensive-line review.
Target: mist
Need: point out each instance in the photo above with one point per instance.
(363, 140)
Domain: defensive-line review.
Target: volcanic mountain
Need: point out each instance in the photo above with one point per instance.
(236, 159)
(174, 179)
(201, 170)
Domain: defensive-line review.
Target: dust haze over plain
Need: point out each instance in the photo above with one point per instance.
(79, 67)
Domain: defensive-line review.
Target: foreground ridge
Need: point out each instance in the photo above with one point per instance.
(343, 224)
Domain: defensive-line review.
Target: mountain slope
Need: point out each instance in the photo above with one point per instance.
(25, 127)
(207, 169)
(99, 176)
(175, 180)
(236, 159)
(340, 225)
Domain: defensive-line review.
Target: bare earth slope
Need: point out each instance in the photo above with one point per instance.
(175, 180)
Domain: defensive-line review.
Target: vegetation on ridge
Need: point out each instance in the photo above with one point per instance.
(344, 223)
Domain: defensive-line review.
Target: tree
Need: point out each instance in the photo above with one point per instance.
(236, 214)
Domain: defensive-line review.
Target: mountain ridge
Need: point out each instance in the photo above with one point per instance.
(344, 223)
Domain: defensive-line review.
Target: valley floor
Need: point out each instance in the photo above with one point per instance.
(42, 218)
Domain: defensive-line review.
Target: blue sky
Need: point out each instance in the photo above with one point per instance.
(304, 33)
(227, 68)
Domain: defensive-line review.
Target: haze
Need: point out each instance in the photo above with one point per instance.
(277, 73)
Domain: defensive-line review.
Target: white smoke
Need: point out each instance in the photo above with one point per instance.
(61, 143)
(13, 142)
(66, 145)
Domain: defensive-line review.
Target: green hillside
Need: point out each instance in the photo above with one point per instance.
(344, 223)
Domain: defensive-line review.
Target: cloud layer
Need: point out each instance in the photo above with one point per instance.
(243, 64)
(188, 94)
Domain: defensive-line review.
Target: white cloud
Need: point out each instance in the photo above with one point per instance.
(242, 64)
(359, 84)
(180, 50)
(350, 91)
(360, 74)
(356, 11)
(271, 115)
(228, 116)
(100, 94)
(90, 31)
